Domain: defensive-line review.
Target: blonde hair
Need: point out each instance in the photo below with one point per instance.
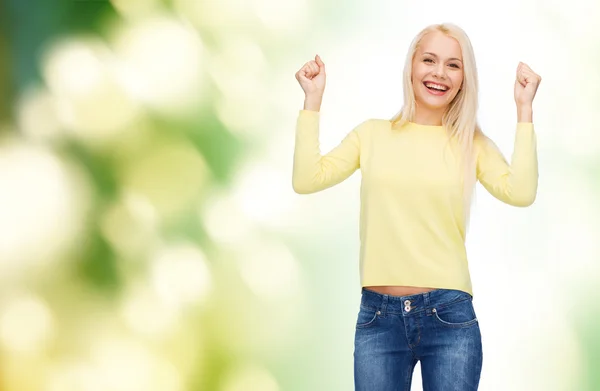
(460, 118)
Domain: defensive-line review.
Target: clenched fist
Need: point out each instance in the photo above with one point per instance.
(526, 85)
(312, 77)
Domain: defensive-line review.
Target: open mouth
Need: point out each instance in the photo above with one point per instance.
(436, 88)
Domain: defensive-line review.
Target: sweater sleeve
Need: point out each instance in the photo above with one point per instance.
(313, 172)
(515, 184)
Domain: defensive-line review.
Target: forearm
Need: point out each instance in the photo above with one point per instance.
(514, 183)
(524, 113)
(307, 154)
(313, 102)
(313, 172)
(524, 164)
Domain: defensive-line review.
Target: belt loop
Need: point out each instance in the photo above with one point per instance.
(426, 300)
(384, 305)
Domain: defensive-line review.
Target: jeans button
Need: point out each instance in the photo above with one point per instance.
(407, 303)
(407, 308)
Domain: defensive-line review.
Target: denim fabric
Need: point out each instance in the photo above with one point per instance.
(437, 328)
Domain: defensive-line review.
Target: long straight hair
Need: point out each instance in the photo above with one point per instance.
(460, 118)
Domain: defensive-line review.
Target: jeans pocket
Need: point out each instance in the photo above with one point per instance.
(457, 315)
(367, 317)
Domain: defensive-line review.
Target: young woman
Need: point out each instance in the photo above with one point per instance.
(418, 173)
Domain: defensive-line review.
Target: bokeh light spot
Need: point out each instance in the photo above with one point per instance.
(91, 102)
(26, 324)
(146, 314)
(224, 220)
(269, 269)
(170, 176)
(161, 62)
(250, 378)
(180, 275)
(42, 205)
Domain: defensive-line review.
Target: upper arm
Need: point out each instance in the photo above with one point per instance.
(315, 172)
(514, 183)
(492, 166)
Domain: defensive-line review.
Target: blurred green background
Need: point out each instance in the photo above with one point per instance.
(149, 235)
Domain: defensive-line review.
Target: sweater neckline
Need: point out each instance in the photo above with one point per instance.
(414, 125)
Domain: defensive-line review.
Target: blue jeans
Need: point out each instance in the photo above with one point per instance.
(437, 328)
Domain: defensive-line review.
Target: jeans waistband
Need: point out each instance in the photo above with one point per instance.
(412, 304)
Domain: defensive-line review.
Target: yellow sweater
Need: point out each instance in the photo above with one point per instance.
(412, 226)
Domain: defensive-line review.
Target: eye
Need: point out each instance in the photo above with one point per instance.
(429, 60)
(454, 66)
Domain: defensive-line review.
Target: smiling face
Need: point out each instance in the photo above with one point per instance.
(437, 72)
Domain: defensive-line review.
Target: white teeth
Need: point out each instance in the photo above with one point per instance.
(436, 86)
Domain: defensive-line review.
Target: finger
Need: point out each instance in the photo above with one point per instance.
(531, 77)
(309, 64)
(524, 71)
(320, 62)
(301, 76)
(307, 71)
(308, 68)
(314, 67)
(526, 67)
(521, 78)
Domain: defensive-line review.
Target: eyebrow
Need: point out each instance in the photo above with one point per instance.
(450, 59)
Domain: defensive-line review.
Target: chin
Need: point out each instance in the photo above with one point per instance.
(434, 104)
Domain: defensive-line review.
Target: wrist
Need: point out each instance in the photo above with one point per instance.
(313, 102)
(524, 113)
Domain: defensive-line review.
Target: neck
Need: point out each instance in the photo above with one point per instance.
(426, 116)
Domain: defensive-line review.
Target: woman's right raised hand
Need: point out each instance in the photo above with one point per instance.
(312, 77)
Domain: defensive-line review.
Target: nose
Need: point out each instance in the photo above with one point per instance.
(440, 71)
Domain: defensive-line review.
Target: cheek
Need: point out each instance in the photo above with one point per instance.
(417, 73)
(457, 80)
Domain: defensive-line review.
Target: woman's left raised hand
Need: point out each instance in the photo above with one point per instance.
(526, 85)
